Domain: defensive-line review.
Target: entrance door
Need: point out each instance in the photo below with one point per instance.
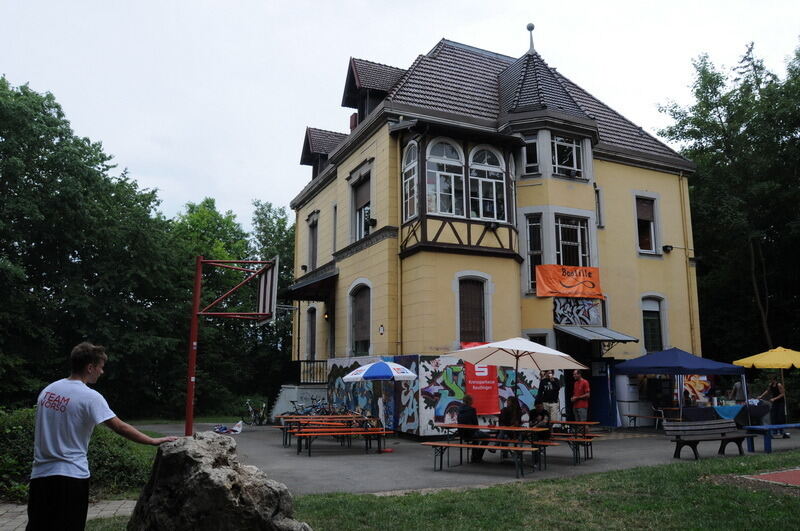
(602, 406)
(581, 351)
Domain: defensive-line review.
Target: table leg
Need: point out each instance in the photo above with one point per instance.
(768, 442)
(750, 446)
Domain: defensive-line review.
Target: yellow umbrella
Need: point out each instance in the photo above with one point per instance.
(776, 358)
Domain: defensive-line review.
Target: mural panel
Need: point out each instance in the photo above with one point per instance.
(572, 311)
(415, 407)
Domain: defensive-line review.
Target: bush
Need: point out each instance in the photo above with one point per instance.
(117, 465)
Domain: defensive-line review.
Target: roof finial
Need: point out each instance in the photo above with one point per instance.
(530, 29)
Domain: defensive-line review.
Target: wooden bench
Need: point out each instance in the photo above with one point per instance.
(766, 431)
(541, 444)
(439, 449)
(346, 435)
(693, 432)
(576, 443)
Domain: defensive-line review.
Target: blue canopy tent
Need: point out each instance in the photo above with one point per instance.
(678, 362)
(675, 361)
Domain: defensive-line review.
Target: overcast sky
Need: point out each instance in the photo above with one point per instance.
(211, 98)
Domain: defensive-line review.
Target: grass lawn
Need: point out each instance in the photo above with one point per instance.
(668, 497)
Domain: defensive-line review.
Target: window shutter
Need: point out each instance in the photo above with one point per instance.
(361, 193)
(471, 311)
(644, 209)
(361, 315)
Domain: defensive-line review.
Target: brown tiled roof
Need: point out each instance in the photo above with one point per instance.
(529, 84)
(453, 78)
(460, 79)
(322, 141)
(615, 129)
(375, 76)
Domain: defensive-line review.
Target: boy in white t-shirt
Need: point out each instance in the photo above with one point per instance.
(66, 413)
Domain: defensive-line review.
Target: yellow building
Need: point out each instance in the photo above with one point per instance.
(421, 229)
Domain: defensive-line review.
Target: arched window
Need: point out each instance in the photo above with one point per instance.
(444, 182)
(410, 181)
(311, 341)
(652, 324)
(487, 187)
(360, 308)
(472, 314)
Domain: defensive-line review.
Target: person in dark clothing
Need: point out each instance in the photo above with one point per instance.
(549, 386)
(777, 398)
(468, 415)
(540, 417)
(511, 415)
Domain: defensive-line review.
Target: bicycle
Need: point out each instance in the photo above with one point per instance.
(257, 416)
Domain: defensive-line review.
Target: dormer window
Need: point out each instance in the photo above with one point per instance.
(487, 185)
(567, 157)
(444, 182)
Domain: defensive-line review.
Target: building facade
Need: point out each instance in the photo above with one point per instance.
(423, 228)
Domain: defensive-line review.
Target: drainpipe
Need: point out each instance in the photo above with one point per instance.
(684, 224)
(399, 166)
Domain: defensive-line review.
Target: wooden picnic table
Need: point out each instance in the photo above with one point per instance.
(514, 446)
(577, 437)
(289, 422)
(310, 434)
(521, 431)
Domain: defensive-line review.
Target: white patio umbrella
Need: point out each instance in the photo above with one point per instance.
(519, 352)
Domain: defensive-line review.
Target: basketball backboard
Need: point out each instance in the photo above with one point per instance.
(268, 292)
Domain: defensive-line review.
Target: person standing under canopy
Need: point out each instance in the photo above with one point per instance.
(66, 413)
(549, 386)
(777, 399)
(580, 396)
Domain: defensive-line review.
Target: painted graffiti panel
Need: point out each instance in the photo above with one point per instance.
(571, 311)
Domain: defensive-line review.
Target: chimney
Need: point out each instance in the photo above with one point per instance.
(353, 121)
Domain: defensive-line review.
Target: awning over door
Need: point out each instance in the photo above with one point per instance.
(315, 286)
(596, 333)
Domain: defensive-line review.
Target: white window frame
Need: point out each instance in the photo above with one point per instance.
(655, 226)
(583, 235)
(359, 227)
(576, 170)
(531, 287)
(534, 142)
(449, 175)
(410, 182)
(501, 169)
(662, 314)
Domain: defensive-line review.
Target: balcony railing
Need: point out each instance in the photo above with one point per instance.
(312, 372)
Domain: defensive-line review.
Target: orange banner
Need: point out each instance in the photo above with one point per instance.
(568, 281)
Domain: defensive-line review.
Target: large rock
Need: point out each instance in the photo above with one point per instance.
(198, 484)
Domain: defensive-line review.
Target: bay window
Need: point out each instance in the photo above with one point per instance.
(487, 186)
(444, 182)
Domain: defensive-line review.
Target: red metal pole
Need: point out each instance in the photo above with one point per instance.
(190, 381)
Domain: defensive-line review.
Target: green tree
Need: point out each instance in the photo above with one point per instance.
(273, 235)
(743, 131)
(82, 253)
(223, 367)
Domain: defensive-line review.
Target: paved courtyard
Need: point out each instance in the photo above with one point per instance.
(409, 466)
